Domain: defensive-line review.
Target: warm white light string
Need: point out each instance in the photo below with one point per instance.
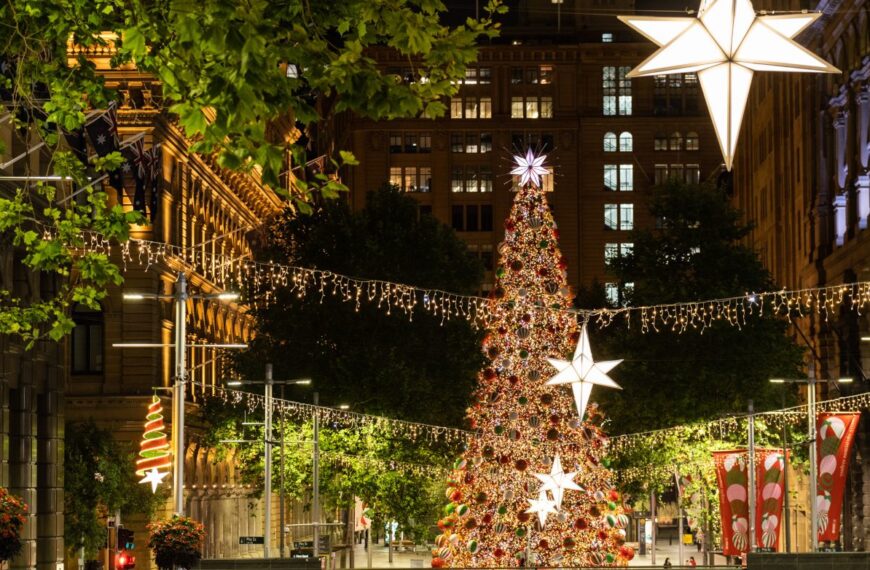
(262, 279)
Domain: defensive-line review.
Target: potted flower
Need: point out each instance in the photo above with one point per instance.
(176, 542)
(13, 513)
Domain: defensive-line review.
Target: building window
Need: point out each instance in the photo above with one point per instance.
(693, 173)
(531, 107)
(472, 143)
(425, 210)
(86, 341)
(626, 217)
(471, 179)
(411, 178)
(677, 172)
(410, 142)
(611, 177)
(616, 89)
(472, 218)
(607, 38)
(692, 141)
(485, 142)
(395, 142)
(661, 141)
(626, 142)
(516, 75)
(471, 107)
(611, 216)
(626, 177)
(456, 143)
(609, 142)
(661, 174)
(675, 94)
(546, 74)
(611, 251)
(611, 292)
(484, 75)
(675, 141)
(425, 142)
(486, 256)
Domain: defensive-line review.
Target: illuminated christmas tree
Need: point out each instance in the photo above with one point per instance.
(531, 488)
(155, 459)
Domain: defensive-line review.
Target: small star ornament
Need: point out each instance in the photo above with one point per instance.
(530, 168)
(154, 477)
(557, 482)
(583, 372)
(543, 506)
(726, 44)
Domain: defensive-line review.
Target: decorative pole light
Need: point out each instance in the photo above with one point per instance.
(726, 44)
(155, 459)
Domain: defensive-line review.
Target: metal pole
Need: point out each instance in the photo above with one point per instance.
(679, 514)
(652, 512)
(267, 483)
(751, 469)
(369, 545)
(315, 510)
(787, 526)
(281, 480)
(811, 425)
(178, 393)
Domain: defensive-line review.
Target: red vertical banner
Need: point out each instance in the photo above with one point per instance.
(770, 492)
(835, 433)
(733, 479)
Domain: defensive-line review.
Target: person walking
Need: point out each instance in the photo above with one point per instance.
(692, 563)
(667, 563)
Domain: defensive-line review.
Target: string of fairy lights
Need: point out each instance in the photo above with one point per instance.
(261, 280)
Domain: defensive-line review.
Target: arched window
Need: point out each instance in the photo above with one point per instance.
(661, 141)
(692, 141)
(626, 143)
(609, 142)
(675, 141)
(87, 341)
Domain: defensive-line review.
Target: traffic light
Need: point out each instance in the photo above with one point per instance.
(124, 561)
(126, 539)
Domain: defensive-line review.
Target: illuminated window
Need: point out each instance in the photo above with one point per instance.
(675, 141)
(457, 180)
(611, 292)
(456, 143)
(411, 143)
(425, 142)
(546, 107)
(411, 178)
(661, 174)
(516, 107)
(616, 90)
(425, 181)
(532, 109)
(611, 177)
(693, 173)
(471, 107)
(626, 177)
(626, 249)
(456, 108)
(661, 141)
(609, 142)
(485, 178)
(692, 141)
(546, 74)
(626, 142)
(395, 142)
(607, 38)
(396, 176)
(472, 142)
(624, 91)
(485, 142)
(611, 251)
(471, 76)
(608, 86)
(611, 216)
(485, 108)
(626, 217)
(484, 75)
(677, 172)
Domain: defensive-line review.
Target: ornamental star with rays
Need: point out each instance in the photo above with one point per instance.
(726, 44)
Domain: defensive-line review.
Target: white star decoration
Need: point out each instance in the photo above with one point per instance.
(583, 372)
(154, 477)
(530, 168)
(101, 139)
(557, 482)
(543, 506)
(725, 45)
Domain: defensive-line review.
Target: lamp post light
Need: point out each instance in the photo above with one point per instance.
(180, 296)
(268, 383)
(811, 432)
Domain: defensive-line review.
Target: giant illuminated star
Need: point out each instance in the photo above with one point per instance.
(557, 482)
(583, 372)
(530, 168)
(725, 45)
(543, 506)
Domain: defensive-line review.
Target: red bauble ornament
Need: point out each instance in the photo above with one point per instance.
(510, 225)
(563, 263)
(502, 330)
(487, 518)
(470, 524)
(456, 496)
(516, 265)
(513, 379)
(552, 434)
(614, 495)
(602, 535)
(437, 562)
(543, 271)
(554, 419)
(504, 459)
(521, 464)
(523, 516)
(546, 399)
(581, 524)
(543, 544)
(489, 373)
(498, 552)
(527, 318)
(469, 478)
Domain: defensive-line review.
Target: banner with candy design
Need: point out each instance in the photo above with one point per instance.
(733, 479)
(835, 433)
(770, 492)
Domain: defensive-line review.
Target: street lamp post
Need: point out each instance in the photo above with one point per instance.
(811, 432)
(268, 384)
(180, 297)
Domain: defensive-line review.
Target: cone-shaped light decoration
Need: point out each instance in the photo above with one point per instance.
(725, 45)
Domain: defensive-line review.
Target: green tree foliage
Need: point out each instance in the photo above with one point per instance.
(421, 369)
(99, 478)
(223, 72)
(668, 378)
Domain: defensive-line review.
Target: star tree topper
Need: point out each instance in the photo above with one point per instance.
(726, 44)
(583, 372)
(557, 482)
(530, 168)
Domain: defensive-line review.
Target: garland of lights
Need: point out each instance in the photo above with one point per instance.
(419, 469)
(261, 280)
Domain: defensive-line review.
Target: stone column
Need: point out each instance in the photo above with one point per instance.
(49, 458)
(22, 460)
(4, 433)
